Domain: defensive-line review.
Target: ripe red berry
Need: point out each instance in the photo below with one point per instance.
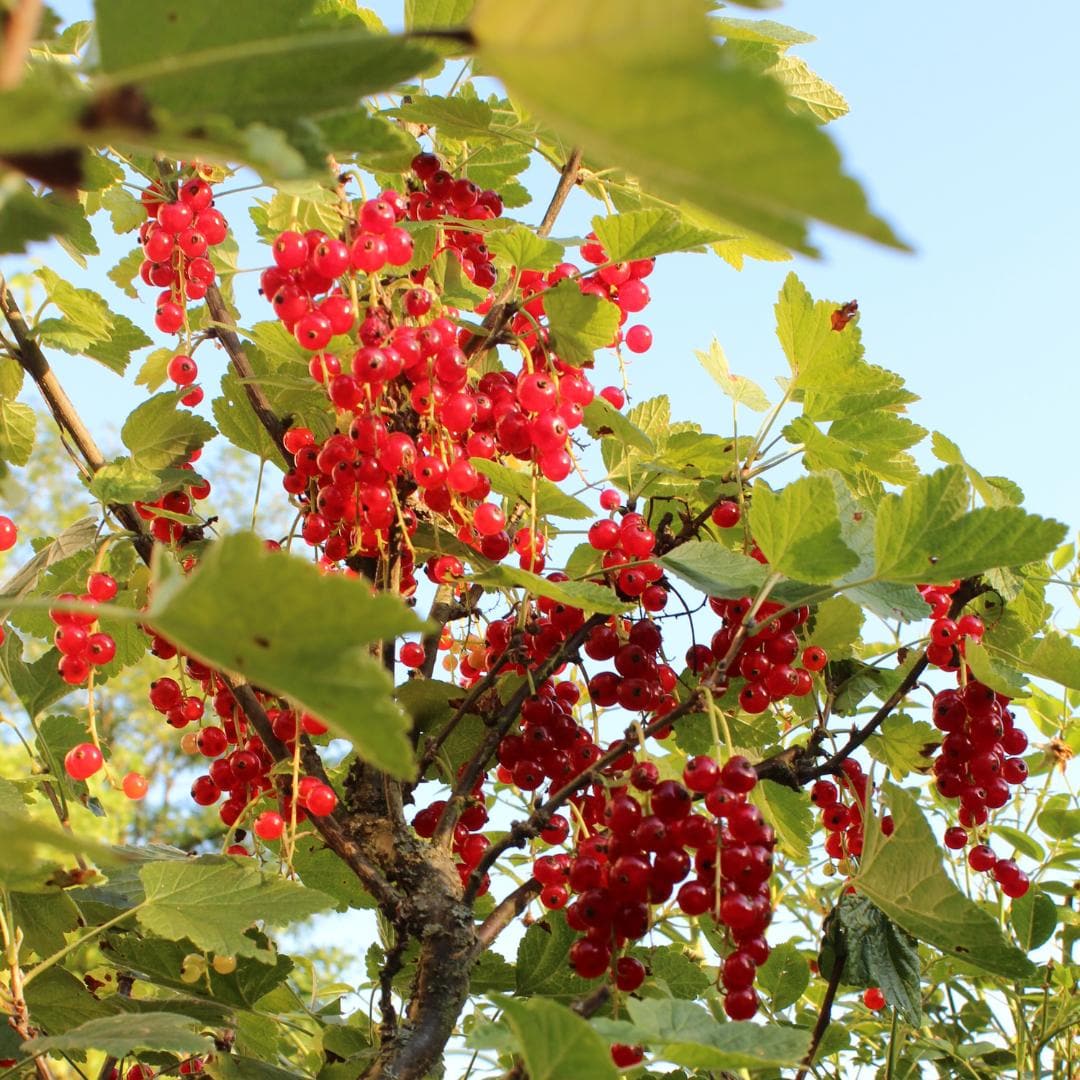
(182, 370)
(269, 825)
(9, 534)
(412, 654)
(135, 786)
(82, 761)
(321, 800)
(874, 999)
(102, 587)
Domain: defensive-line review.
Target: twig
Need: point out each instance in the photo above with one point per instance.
(506, 911)
(824, 1013)
(225, 332)
(32, 360)
(444, 609)
(496, 320)
(20, 29)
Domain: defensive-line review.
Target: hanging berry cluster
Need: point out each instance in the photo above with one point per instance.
(176, 238)
(81, 647)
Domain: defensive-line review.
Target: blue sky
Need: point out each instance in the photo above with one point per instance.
(959, 128)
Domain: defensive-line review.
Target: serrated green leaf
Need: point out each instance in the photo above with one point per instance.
(994, 673)
(554, 1042)
(1021, 841)
(125, 211)
(924, 535)
(179, 896)
(75, 538)
(1033, 918)
(124, 273)
(784, 976)
(252, 62)
(642, 234)
(86, 314)
(586, 595)
(990, 489)
(550, 499)
(760, 30)
(374, 142)
(715, 569)
(580, 323)
(456, 117)
(602, 418)
(541, 964)
(789, 814)
(38, 684)
(115, 350)
(44, 918)
(160, 434)
(453, 286)
(880, 954)
(739, 388)
(430, 14)
(154, 371)
(729, 142)
(807, 91)
(683, 1033)
(26, 217)
(237, 422)
(1058, 819)
(836, 626)
(283, 625)
(682, 975)
(798, 529)
(1052, 656)
(902, 875)
(120, 1035)
(17, 427)
(523, 248)
(904, 745)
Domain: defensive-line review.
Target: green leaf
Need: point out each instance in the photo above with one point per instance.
(993, 673)
(878, 953)
(904, 745)
(715, 569)
(26, 217)
(902, 875)
(1057, 820)
(739, 388)
(17, 426)
(993, 490)
(579, 594)
(550, 499)
(642, 234)
(319, 868)
(836, 626)
(115, 350)
(807, 91)
(283, 625)
(38, 684)
(1021, 841)
(237, 422)
(60, 1002)
(682, 975)
(160, 434)
(541, 966)
(121, 1035)
(44, 918)
(785, 975)
(924, 534)
(253, 61)
(728, 143)
(125, 211)
(602, 418)
(789, 814)
(212, 900)
(521, 247)
(683, 1033)
(374, 142)
(452, 284)
(432, 14)
(76, 538)
(125, 480)
(456, 117)
(123, 276)
(1033, 917)
(554, 1042)
(1052, 656)
(86, 315)
(579, 322)
(798, 529)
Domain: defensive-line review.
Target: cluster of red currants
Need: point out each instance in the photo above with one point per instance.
(192, 1066)
(176, 239)
(948, 636)
(81, 647)
(240, 763)
(978, 762)
(843, 821)
(163, 527)
(469, 842)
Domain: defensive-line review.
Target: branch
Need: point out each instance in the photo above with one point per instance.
(20, 29)
(330, 827)
(506, 911)
(32, 360)
(225, 332)
(500, 726)
(444, 609)
(496, 320)
(825, 1012)
(968, 590)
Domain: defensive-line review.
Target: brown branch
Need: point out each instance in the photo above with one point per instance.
(825, 1012)
(502, 311)
(20, 29)
(500, 726)
(506, 911)
(968, 590)
(330, 828)
(445, 609)
(32, 360)
(225, 332)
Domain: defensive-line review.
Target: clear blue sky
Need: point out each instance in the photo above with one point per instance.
(959, 128)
